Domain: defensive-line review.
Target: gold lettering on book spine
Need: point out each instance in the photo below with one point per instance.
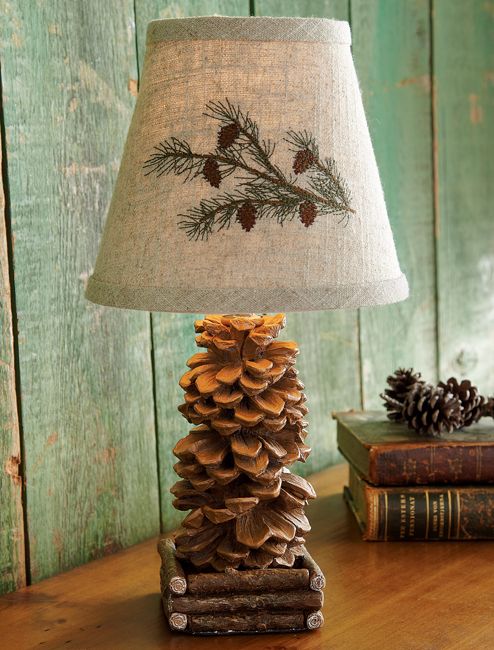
(385, 516)
(372, 514)
(411, 530)
(458, 508)
(427, 514)
(450, 515)
(403, 516)
(435, 517)
(442, 512)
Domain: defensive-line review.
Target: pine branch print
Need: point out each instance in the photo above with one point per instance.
(263, 190)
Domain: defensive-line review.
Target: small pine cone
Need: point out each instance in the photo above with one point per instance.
(212, 172)
(307, 211)
(246, 215)
(401, 382)
(432, 411)
(227, 135)
(469, 396)
(303, 160)
(488, 408)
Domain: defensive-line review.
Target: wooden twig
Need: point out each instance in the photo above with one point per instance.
(268, 601)
(177, 621)
(172, 575)
(246, 622)
(317, 581)
(257, 580)
(314, 620)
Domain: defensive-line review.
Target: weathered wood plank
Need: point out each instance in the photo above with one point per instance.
(173, 334)
(147, 10)
(329, 347)
(85, 370)
(464, 136)
(391, 46)
(12, 553)
(337, 9)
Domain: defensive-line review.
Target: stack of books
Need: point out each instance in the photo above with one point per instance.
(403, 486)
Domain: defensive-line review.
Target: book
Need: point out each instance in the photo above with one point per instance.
(388, 453)
(397, 513)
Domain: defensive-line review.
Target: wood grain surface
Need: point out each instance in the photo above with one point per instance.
(12, 552)
(404, 596)
(464, 122)
(392, 52)
(85, 371)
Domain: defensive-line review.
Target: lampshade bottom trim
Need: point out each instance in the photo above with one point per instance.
(240, 300)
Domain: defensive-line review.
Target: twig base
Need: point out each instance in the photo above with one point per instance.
(241, 602)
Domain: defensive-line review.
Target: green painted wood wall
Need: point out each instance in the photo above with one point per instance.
(88, 395)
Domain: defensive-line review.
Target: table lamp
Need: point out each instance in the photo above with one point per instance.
(248, 184)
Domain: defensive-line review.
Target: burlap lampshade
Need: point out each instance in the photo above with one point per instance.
(248, 181)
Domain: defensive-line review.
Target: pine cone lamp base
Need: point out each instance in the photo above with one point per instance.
(236, 602)
(246, 527)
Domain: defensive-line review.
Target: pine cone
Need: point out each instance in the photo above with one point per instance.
(247, 402)
(471, 400)
(307, 211)
(432, 411)
(211, 172)
(400, 384)
(234, 529)
(303, 160)
(246, 215)
(227, 135)
(488, 408)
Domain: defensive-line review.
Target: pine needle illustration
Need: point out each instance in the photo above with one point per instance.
(262, 189)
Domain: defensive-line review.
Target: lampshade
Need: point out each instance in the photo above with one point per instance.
(248, 180)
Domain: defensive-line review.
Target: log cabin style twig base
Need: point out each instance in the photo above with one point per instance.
(240, 601)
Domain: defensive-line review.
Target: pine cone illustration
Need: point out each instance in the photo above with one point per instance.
(401, 382)
(256, 179)
(227, 135)
(245, 397)
(303, 160)
(432, 411)
(211, 172)
(471, 400)
(246, 215)
(307, 213)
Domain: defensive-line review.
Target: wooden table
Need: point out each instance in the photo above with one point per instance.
(391, 596)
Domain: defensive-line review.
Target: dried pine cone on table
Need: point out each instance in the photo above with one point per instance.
(400, 383)
(488, 408)
(247, 509)
(471, 400)
(432, 411)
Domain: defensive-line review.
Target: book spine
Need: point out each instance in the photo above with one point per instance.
(395, 514)
(433, 464)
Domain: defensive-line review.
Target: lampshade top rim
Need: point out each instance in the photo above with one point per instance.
(250, 28)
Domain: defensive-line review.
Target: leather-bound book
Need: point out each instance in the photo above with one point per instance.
(421, 513)
(388, 453)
